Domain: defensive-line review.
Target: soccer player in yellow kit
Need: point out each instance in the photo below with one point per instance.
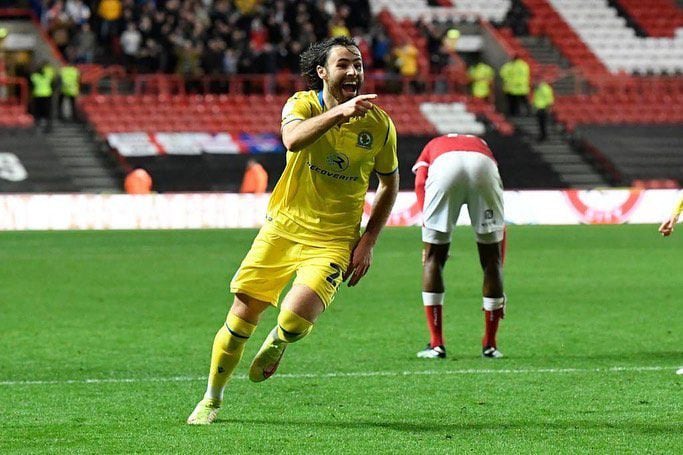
(667, 227)
(335, 139)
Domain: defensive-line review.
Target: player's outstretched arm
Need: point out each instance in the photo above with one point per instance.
(361, 256)
(667, 227)
(300, 134)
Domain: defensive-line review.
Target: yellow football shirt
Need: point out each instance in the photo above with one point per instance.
(679, 208)
(320, 195)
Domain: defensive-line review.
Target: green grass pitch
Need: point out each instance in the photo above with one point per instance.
(105, 338)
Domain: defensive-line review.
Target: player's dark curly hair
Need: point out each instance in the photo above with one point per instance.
(316, 55)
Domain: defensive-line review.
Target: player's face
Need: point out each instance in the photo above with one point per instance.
(343, 72)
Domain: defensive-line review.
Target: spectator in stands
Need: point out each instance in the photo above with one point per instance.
(229, 62)
(131, 42)
(466, 173)
(450, 39)
(188, 54)
(517, 18)
(42, 81)
(159, 24)
(361, 17)
(258, 35)
(291, 59)
(543, 99)
(69, 83)
(58, 24)
(109, 13)
(263, 36)
(516, 78)
(78, 12)
(255, 178)
(246, 7)
(307, 35)
(265, 60)
(145, 26)
(481, 77)
(381, 49)
(338, 27)
(406, 56)
(85, 44)
(442, 55)
(151, 57)
(667, 227)
(138, 182)
(213, 57)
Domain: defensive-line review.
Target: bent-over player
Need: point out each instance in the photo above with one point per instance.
(453, 170)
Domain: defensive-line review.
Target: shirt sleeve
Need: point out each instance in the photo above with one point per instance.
(421, 171)
(296, 108)
(420, 179)
(679, 207)
(386, 161)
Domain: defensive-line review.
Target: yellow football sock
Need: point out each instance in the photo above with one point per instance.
(291, 327)
(228, 346)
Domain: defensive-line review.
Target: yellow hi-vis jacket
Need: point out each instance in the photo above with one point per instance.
(516, 77)
(543, 96)
(42, 83)
(69, 76)
(482, 75)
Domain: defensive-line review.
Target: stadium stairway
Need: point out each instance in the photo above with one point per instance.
(542, 49)
(89, 170)
(570, 166)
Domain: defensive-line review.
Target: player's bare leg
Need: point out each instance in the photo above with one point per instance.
(433, 262)
(300, 309)
(228, 347)
(491, 259)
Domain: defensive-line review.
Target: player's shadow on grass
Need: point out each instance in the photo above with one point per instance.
(654, 428)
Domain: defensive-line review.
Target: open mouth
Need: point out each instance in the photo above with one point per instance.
(350, 88)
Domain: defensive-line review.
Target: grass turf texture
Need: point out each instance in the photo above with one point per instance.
(137, 311)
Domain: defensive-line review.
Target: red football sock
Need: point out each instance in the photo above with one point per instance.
(434, 322)
(491, 319)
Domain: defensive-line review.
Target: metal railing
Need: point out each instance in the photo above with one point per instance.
(114, 80)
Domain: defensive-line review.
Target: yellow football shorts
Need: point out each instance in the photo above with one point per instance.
(273, 260)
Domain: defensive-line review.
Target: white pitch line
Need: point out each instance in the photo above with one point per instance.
(357, 374)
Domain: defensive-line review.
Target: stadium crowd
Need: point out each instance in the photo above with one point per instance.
(210, 37)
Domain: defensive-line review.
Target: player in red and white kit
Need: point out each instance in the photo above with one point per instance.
(453, 170)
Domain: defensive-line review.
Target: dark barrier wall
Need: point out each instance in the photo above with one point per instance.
(519, 167)
(28, 164)
(646, 152)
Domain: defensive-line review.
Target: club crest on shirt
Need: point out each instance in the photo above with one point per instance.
(338, 161)
(364, 140)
